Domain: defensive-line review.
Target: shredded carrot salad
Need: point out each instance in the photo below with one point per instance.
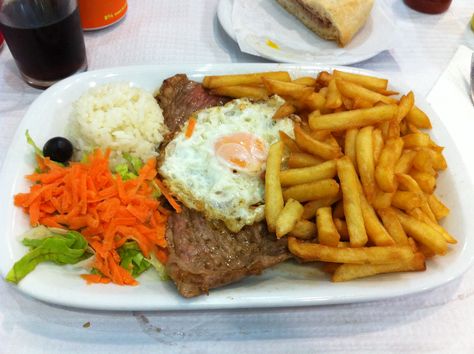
(108, 211)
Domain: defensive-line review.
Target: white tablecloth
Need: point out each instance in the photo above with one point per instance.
(187, 31)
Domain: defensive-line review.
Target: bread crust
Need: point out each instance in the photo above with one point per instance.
(345, 17)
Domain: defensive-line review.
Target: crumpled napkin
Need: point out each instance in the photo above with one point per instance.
(450, 99)
(264, 28)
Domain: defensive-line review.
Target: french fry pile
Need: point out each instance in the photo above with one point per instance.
(355, 186)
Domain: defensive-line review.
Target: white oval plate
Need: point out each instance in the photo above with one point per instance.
(286, 285)
(300, 45)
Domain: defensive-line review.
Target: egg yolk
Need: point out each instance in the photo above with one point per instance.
(242, 151)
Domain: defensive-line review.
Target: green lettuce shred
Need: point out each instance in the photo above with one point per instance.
(69, 248)
(159, 267)
(132, 259)
(30, 141)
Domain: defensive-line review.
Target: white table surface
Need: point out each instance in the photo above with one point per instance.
(187, 31)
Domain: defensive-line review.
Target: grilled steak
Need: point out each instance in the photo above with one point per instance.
(203, 254)
(179, 97)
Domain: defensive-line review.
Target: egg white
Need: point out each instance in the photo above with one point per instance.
(197, 177)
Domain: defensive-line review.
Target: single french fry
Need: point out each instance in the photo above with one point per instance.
(427, 252)
(418, 118)
(334, 98)
(341, 227)
(405, 106)
(256, 93)
(351, 90)
(305, 81)
(382, 200)
(408, 183)
(285, 110)
(315, 147)
(423, 233)
(437, 207)
(375, 230)
(393, 226)
(273, 193)
(361, 255)
(385, 169)
(295, 176)
(426, 181)
(438, 160)
(387, 92)
(304, 230)
(407, 200)
(289, 142)
(361, 103)
(405, 162)
(315, 101)
(350, 145)
(327, 232)
(365, 161)
(310, 208)
(377, 143)
(301, 159)
(352, 205)
(417, 213)
(243, 79)
(417, 140)
(423, 161)
(347, 272)
(286, 89)
(323, 78)
(290, 214)
(369, 82)
(353, 119)
(326, 188)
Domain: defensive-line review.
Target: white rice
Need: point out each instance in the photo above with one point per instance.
(120, 117)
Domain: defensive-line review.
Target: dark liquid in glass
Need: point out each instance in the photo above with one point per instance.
(48, 43)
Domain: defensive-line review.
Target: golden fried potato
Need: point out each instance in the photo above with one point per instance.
(361, 255)
(327, 232)
(290, 214)
(243, 79)
(295, 176)
(299, 160)
(423, 233)
(326, 188)
(352, 205)
(385, 169)
(347, 272)
(273, 193)
(353, 119)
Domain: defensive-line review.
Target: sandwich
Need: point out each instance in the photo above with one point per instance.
(337, 20)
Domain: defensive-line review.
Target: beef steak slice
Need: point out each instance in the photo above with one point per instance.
(180, 97)
(205, 255)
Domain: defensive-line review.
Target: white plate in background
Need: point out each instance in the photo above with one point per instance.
(266, 19)
(288, 284)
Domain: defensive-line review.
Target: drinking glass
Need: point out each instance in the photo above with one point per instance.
(45, 38)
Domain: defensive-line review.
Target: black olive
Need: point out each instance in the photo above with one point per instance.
(58, 149)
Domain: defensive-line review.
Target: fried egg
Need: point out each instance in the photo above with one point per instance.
(218, 169)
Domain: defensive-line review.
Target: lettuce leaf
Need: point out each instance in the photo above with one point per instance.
(60, 249)
(159, 267)
(132, 259)
(30, 141)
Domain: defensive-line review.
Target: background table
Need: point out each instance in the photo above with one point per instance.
(187, 31)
